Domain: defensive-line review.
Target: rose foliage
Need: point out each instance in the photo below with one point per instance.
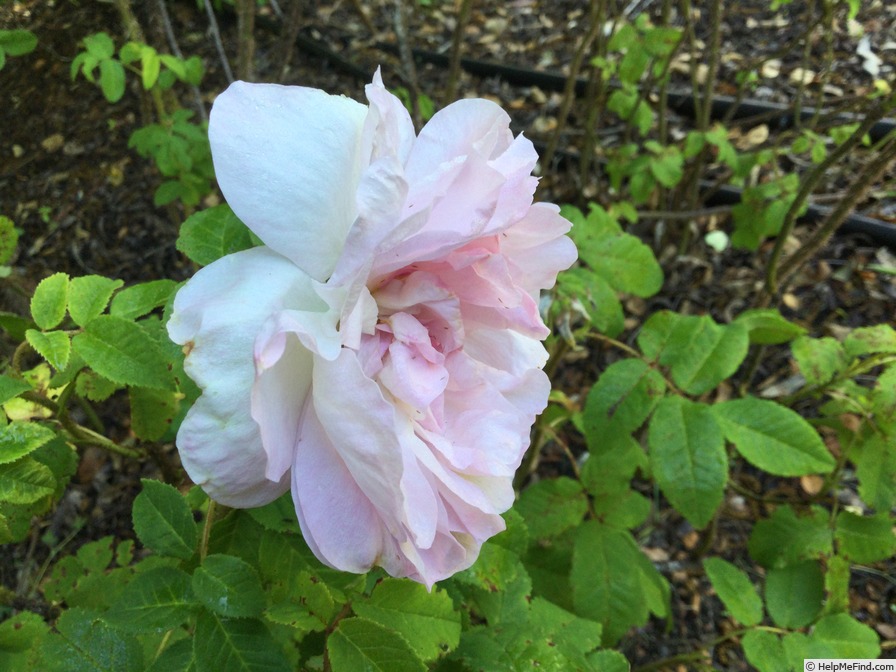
(380, 353)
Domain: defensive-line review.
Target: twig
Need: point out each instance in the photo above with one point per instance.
(216, 35)
(245, 21)
(569, 89)
(407, 61)
(132, 28)
(808, 184)
(175, 49)
(292, 24)
(463, 16)
(365, 17)
(684, 214)
(207, 529)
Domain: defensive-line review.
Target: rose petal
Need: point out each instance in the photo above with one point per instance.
(216, 316)
(370, 439)
(285, 158)
(464, 128)
(337, 519)
(536, 248)
(278, 404)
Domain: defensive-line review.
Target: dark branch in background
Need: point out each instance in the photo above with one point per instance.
(463, 16)
(811, 180)
(365, 17)
(216, 35)
(780, 116)
(870, 174)
(407, 60)
(292, 22)
(569, 85)
(175, 49)
(245, 22)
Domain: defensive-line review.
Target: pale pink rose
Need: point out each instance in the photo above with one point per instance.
(380, 354)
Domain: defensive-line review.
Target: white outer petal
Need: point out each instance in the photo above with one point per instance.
(288, 160)
(217, 315)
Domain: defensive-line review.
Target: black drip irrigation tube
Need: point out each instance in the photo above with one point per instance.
(781, 116)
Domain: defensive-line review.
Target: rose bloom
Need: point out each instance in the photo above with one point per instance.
(381, 353)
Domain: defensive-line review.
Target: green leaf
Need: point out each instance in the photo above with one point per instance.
(875, 462)
(619, 403)
(605, 587)
(86, 644)
(594, 298)
(18, 439)
(625, 263)
(426, 620)
(163, 521)
(607, 660)
(139, 300)
(236, 645)
(11, 388)
(14, 325)
(667, 168)
(157, 599)
(112, 80)
(736, 591)
(49, 301)
(229, 586)
(178, 657)
(17, 42)
(124, 353)
(152, 412)
(53, 346)
(868, 340)
(279, 515)
(766, 326)
(552, 506)
(785, 538)
(620, 508)
(94, 386)
(21, 632)
(88, 297)
(301, 600)
(796, 649)
(9, 237)
(624, 395)
(765, 651)
(700, 354)
(577, 635)
(865, 539)
(836, 584)
(360, 644)
(548, 566)
(794, 594)
(687, 457)
(210, 234)
(511, 647)
(151, 64)
(841, 636)
(773, 437)
(25, 481)
(61, 459)
(100, 45)
(819, 359)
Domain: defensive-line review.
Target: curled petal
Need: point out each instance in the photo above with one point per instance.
(285, 157)
(216, 317)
